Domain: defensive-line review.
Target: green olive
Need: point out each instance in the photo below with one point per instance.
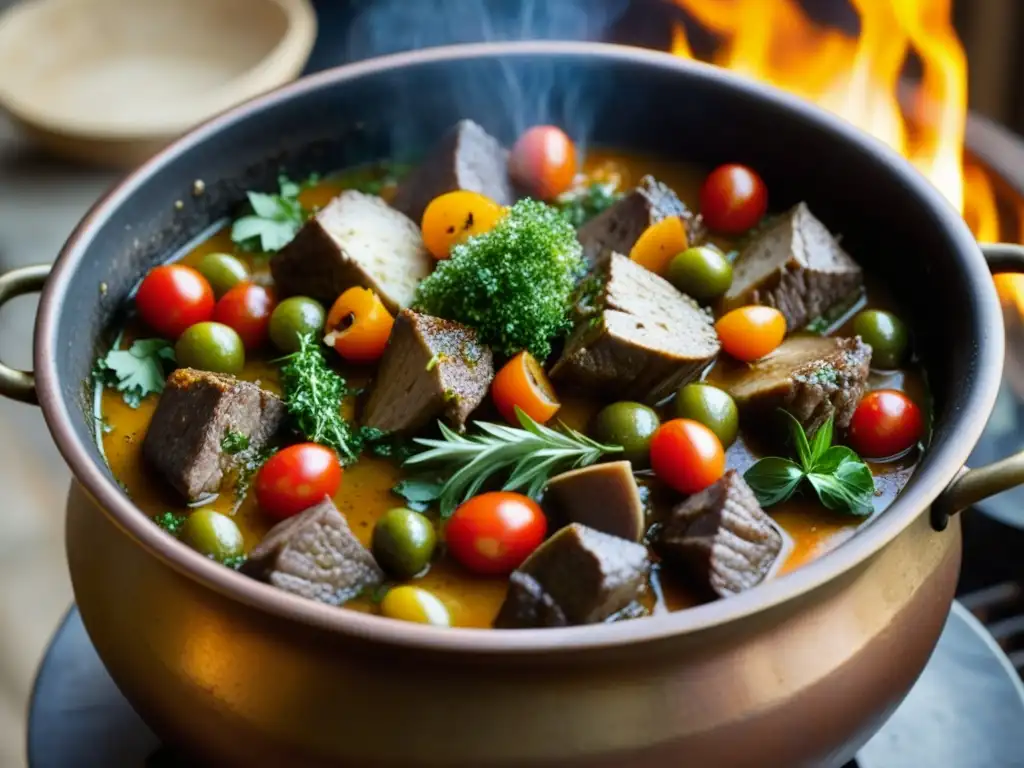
(211, 347)
(701, 272)
(293, 318)
(886, 334)
(403, 542)
(222, 271)
(212, 534)
(414, 604)
(630, 425)
(712, 407)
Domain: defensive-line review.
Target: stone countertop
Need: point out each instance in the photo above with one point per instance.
(41, 200)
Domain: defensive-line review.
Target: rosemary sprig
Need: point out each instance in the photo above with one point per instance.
(530, 456)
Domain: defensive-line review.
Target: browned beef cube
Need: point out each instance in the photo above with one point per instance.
(604, 497)
(721, 537)
(810, 376)
(578, 576)
(197, 410)
(315, 555)
(619, 226)
(431, 367)
(467, 157)
(795, 266)
(646, 339)
(355, 239)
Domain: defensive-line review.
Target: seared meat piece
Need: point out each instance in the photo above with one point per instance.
(578, 576)
(315, 555)
(431, 367)
(795, 266)
(604, 497)
(466, 158)
(197, 410)
(355, 239)
(645, 340)
(810, 376)
(721, 537)
(618, 227)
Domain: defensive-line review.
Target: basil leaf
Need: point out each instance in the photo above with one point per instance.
(849, 488)
(773, 480)
(803, 449)
(832, 458)
(821, 442)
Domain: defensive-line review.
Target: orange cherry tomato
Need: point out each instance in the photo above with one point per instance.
(359, 326)
(543, 162)
(749, 333)
(174, 297)
(686, 455)
(733, 199)
(493, 533)
(886, 423)
(522, 382)
(659, 244)
(456, 216)
(295, 478)
(247, 308)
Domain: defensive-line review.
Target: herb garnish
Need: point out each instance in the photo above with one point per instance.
(530, 455)
(578, 206)
(171, 522)
(234, 442)
(235, 561)
(138, 371)
(274, 219)
(249, 465)
(838, 476)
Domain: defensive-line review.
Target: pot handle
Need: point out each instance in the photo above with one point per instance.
(15, 384)
(972, 485)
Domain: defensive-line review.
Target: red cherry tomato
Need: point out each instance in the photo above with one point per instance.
(494, 532)
(733, 199)
(247, 308)
(886, 423)
(543, 162)
(295, 478)
(172, 298)
(686, 455)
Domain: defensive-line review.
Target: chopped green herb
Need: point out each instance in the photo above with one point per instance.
(235, 561)
(274, 219)
(138, 371)
(385, 444)
(171, 522)
(250, 463)
(578, 206)
(433, 361)
(381, 177)
(234, 442)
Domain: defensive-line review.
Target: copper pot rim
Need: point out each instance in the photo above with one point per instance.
(944, 462)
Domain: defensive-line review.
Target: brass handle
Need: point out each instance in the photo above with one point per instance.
(15, 384)
(972, 485)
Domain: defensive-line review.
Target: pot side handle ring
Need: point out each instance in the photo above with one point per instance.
(972, 485)
(15, 384)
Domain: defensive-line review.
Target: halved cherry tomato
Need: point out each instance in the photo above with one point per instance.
(456, 216)
(173, 297)
(733, 199)
(686, 455)
(358, 326)
(543, 162)
(522, 382)
(749, 333)
(494, 532)
(886, 423)
(247, 308)
(659, 244)
(295, 478)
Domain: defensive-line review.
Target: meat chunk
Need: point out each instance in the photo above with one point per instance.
(431, 367)
(604, 497)
(196, 412)
(644, 340)
(578, 576)
(721, 537)
(315, 555)
(795, 266)
(467, 157)
(355, 239)
(810, 376)
(619, 226)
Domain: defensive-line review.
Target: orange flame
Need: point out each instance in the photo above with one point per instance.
(859, 79)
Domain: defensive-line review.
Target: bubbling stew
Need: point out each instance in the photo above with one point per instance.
(506, 389)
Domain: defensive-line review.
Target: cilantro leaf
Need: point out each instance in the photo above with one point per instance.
(234, 442)
(138, 371)
(275, 219)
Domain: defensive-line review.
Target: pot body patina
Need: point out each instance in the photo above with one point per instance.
(798, 671)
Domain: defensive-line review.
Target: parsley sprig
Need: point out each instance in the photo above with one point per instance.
(837, 475)
(275, 219)
(530, 455)
(138, 371)
(580, 205)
